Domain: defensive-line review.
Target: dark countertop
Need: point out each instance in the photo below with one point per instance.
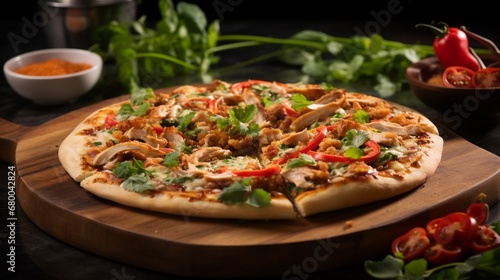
(40, 256)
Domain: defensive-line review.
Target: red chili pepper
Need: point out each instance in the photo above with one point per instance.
(310, 146)
(289, 111)
(370, 157)
(269, 171)
(451, 46)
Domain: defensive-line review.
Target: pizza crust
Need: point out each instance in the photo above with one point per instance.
(187, 205)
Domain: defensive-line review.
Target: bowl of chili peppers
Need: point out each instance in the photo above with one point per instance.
(458, 81)
(53, 76)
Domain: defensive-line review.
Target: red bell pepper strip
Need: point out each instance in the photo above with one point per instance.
(451, 46)
(289, 111)
(110, 121)
(310, 146)
(238, 88)
(368, 158)
(269, 171)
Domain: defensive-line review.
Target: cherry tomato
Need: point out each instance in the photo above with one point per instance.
(455, 229)
(485, 239)
(431, 227)
(479, 211)
(458, 77)
(411, 245)
(439, 254)
(488, 77)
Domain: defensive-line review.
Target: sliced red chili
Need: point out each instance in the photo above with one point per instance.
(455, 229)
(310, 146)
(479, 211)
(458, 77)
(238, 88)
(411, 245)
(269, 171)
(485, 239)
(488, 77)
(372, 155)
(439, 254)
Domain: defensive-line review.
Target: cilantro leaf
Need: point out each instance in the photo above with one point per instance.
(299, 101)
(388, 268)
(126, 169)
(236, 192)
(139, 94)
(361, 116)
(172, 159)
(241, 192)
(137, 183)
(185, 120)
(302, 160)
(355, 138)
(259, 198)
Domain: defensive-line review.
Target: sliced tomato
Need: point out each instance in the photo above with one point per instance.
(439, 254)
(488, 77)
(269, 171)
(458, 77)
(411, 245)
(479, 211)
(455, 229)
(431, 227)
(485, 239)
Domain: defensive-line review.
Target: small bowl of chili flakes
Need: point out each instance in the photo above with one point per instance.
(53, 76)
(465, 99)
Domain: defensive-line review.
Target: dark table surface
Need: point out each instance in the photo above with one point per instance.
(40, 256)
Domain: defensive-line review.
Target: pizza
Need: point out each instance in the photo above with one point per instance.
(258, 150)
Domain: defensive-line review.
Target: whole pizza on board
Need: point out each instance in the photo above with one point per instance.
(251, 150)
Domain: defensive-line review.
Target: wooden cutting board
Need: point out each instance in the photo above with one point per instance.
(199, 247)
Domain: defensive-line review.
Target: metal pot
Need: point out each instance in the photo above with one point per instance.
(74, 23)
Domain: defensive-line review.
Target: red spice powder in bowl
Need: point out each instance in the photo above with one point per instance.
(53, 76)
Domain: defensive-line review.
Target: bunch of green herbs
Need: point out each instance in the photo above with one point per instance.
(183, 42)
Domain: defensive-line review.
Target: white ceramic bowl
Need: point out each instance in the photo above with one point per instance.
(54, 90)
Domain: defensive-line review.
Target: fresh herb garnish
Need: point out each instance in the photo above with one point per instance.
(239, 121)
(241, 192)
(361, 116)
(352, 142)
(302, 160)
(183, 42)
(172, 159)
(135, 175)
(299, 101)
